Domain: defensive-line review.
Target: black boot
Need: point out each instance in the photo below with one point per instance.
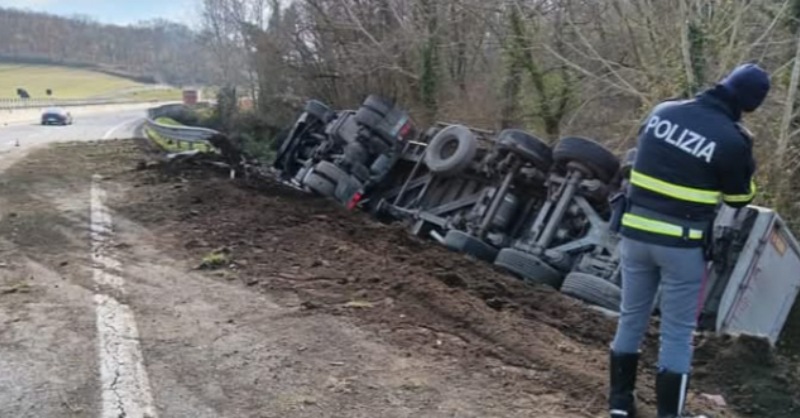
(671, 391)
(622, 374)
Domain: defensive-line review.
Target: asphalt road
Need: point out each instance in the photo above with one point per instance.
(103, 312)
(18, 138)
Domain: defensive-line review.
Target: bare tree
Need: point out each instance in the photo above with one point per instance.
(553, 67)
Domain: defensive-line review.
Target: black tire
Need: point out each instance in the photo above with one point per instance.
(320, 185)
(529, 267)
(369, 118)
(593, 289)
(602, 163)
(378, 104)
(462, 242)
(331, 172)
(456, 161)
(527, 146)
(374, 122)
(319, 110)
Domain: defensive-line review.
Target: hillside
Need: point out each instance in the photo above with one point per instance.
(70, 83)
(159, 50)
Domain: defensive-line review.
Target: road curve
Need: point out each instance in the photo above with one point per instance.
(17, 140)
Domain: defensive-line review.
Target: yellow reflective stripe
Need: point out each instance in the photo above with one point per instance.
(674, 191)
(739, 198)
(657, 227)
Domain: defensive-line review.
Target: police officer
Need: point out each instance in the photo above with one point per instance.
(691, 155)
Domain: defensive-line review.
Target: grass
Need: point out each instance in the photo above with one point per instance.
(157, 94)
(214, 260)
(168, 121)
(66, 83)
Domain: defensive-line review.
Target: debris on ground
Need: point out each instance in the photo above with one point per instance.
(216, 259)
(20, 287)
(442, 304)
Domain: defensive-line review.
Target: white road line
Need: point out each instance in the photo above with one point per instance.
(114, 129)
(123, 377)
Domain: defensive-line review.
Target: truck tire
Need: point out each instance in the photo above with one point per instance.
(378, 104)
(529, 267)
(319, 184)
(600, 161)
(442, 159)
(319, 110)
(462, 242)
(331, 172)
(593, 289)
(373, 121)
(527, 146)
(368, 118)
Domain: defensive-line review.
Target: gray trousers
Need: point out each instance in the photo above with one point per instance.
(681, 272)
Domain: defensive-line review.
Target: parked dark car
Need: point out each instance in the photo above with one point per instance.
(56, 116)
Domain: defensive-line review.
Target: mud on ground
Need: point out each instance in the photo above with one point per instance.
(428, 300)
(534, 345)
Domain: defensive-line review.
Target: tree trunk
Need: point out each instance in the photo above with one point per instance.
(779, 171)
(686, 48)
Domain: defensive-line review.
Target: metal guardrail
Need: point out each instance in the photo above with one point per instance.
(42, 103)
(181, 137)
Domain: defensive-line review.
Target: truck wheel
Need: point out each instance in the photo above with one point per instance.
(369, 118)
(372, 120)
(378, 104)
(451, 150)
(462, 242)
(529, 267)
(319, 110)
(600, 161)
(527, 146)
(331, 172)
(593, 289)
(320, 185)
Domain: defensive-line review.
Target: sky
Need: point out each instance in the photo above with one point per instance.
(121, 12)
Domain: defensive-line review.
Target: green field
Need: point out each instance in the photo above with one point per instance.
(168, 121)
(157, 94)
(66, 83)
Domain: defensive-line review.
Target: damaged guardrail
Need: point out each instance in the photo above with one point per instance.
(176, 138)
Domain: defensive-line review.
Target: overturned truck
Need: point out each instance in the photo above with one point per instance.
(343, 155)
(539, 212)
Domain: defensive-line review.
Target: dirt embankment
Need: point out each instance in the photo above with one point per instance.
(424, 299)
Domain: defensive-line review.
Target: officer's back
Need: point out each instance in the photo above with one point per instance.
(691, 155)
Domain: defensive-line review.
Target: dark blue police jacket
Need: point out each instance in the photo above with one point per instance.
(689, 151)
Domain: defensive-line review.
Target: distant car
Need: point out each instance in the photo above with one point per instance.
(56, 116)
